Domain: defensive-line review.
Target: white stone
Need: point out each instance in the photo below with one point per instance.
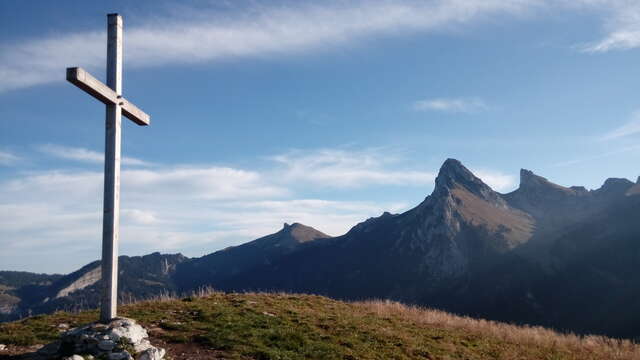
(74, 357)
(130, 330)
(142, 346)
(103, 339)
(152, 354)
(3, 347)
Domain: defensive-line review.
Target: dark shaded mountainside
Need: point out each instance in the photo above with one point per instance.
(235, 261)
(544, 254)
(139, 277)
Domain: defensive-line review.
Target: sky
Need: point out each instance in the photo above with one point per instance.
(324, 113)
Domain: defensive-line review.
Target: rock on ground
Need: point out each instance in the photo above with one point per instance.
(121, 339)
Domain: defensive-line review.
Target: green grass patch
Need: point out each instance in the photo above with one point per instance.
(282, 326)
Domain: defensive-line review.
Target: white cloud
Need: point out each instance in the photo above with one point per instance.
(630, 128)
(496, 180)
(85, 155)
(201, 183)
(260, 31)
(7, 158)
(206, 34)
(191, 209)
(340, 168)
(194, 209)
(139, 217)
(622, 25)
(453, 105)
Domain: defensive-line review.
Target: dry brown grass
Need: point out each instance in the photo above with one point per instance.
(599, 346)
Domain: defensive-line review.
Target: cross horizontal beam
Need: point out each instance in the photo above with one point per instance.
(96, 88)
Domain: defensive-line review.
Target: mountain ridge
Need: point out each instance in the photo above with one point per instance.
(465, 248)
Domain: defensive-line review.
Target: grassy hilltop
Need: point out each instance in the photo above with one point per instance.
(284, 326)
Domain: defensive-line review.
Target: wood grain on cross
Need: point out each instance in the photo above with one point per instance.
(111, 95)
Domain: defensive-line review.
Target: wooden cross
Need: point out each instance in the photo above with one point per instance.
(111, 95)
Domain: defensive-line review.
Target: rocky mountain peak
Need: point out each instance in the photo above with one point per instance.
(532, 183)
(529, 179)
(453, 175)
(300, 233)
(617, 185)
(453, 170)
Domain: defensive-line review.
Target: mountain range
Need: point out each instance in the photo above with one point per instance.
(544, 254)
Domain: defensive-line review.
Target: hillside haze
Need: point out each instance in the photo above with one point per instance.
(562, 257)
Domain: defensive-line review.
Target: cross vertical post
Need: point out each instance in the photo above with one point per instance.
(110, 94)
(111, 216)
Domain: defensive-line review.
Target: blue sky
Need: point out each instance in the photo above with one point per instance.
(324, 113)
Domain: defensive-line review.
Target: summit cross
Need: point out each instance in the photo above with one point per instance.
(111, 95)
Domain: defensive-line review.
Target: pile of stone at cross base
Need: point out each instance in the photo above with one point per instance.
(120, 339)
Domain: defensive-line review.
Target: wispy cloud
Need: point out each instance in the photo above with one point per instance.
(192, 209)
(196, 209)
(206, 34)
(341, 168)
(453, 105)
(598, 156)
(85, 155)
(496, 180)
(630, 128)
(259, 31)
(622, 25)
(7, 158)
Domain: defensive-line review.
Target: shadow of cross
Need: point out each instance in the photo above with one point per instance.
(111, 95)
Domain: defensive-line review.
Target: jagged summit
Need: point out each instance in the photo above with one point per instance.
(453, 175)
(300, 233)
(615, 185)
(535, 188)
(529, 180)
(617, 182)
(452, 171)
